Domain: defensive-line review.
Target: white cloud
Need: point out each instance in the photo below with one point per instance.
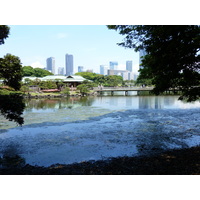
(37, 64)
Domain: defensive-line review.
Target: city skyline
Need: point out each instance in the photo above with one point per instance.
(91, 46)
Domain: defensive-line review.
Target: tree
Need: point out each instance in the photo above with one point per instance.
(28, 71)
(4, 32)
(89, 75)
(47, 85)
(172, 60)
(11, 71)
(113, 80)
(83, 88)
(38, 72)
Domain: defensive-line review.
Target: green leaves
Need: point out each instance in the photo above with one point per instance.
(12, 107)
(83, 88)
(172, 59)
(4, 32)
(36, 72)
(10, 71)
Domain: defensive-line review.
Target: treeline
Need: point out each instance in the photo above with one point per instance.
(107, 81)
(35, 72)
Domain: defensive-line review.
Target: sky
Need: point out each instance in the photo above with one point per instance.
(90, 45)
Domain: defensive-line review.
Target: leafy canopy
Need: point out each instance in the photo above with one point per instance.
(10, 71)
(111, 80)
(12, 107)
(4, 32)
(36, 72)
(172, 56)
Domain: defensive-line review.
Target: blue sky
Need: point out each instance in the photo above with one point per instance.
(91, 45)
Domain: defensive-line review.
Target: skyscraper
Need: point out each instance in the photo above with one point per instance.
(69, 65)
(113, 65)
(80, 68)
(129, 65)
(51, 64)
(103, 69)
(60, 70)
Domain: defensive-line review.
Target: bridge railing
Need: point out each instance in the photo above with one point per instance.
(121, 88)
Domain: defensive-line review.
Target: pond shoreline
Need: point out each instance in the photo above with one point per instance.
(173, 162)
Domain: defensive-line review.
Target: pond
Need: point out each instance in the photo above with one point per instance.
(69, 130)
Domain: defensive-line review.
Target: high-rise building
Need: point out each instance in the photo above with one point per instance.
(113, 65)
(127, 75)
(80, 68)
(141, 54)
(123, 73)
(131, 76)
(51, 64)
(60, 70)
(129, 65)
(103, 69)
(69, 65)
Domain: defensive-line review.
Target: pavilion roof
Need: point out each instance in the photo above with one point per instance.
(73, 78)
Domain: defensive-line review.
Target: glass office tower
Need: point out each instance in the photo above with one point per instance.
(69, 64)
(51, 64)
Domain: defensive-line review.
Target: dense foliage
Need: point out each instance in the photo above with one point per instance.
(12, 107)
(36, 72)
(10, 71)
(172, 60)
(4, 32)
(42, 84)
(98, 79)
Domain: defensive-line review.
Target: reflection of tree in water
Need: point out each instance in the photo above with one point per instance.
(12, 107)
(85, 101)
(68, 102)
(9, 157)
(41, 103)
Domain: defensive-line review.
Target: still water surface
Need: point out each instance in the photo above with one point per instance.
(74, 130)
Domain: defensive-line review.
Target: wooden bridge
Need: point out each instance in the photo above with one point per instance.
(100, 90)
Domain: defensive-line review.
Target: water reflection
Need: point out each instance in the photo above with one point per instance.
(144, 102)
(110, 102)
(152, 103)
(12, 107)
(62, 103)
(10, 156)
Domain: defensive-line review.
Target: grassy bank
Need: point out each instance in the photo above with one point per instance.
(176, 162)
